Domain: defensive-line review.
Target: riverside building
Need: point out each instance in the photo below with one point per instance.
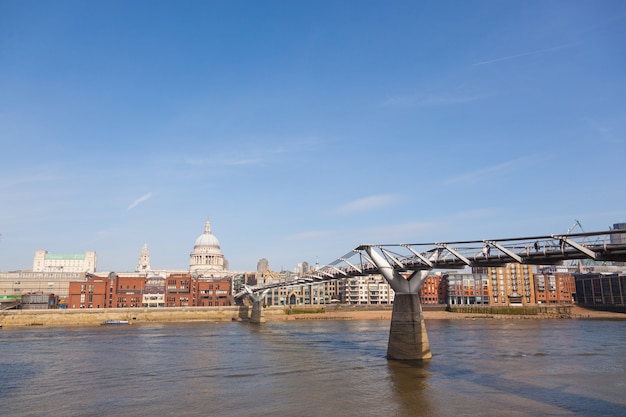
(50, 276)
(51, 262)
(468, 288)
(512, 284)
(554, 285)
(602, 290)
(14, 284)
(370, 289)
(434, 290)
(135, 290)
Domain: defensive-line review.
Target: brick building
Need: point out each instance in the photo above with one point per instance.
(139, 290)
(179, 291)
(94, 293)
(511, 284)
(213, 293)
(128, 291)
(554, 288)
(434, 290)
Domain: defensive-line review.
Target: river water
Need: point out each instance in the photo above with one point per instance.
(314, 368)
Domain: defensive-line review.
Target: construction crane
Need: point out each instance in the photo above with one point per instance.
(576, 223)
(576, 263)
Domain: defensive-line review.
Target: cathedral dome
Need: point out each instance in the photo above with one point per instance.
(207, 240)
(207, 255)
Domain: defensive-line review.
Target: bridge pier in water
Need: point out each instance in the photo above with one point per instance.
(408, 339)
(257, 315)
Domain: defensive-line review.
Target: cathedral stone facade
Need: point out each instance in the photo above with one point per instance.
(144, 260)
(207, 259)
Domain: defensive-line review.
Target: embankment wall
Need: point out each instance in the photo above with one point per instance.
(94, 316)
(72, 317)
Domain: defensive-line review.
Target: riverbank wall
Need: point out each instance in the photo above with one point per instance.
(90, 317)
(557, 310)
(95, 316)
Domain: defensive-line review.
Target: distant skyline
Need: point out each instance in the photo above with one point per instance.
(303, 129)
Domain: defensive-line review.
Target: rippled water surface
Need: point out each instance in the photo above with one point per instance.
(315, 368)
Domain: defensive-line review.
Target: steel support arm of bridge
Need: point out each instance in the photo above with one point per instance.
(257, 316)
(578, 247)
(408, 339)
(398, 283)
(504, 250)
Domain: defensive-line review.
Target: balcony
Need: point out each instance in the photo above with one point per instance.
(178, 291)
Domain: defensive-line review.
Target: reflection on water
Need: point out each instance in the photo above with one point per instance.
(409, 385)
(314, 368)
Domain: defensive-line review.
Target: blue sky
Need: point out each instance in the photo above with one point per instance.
(305, 128)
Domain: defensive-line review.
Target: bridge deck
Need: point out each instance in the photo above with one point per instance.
(606, 246)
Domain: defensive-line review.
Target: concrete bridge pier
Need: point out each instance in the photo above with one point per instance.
(257, 316)
(408, 339)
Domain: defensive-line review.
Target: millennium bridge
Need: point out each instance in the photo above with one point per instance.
(406, 266)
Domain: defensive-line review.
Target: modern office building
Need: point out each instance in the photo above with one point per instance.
(619, 237)
(468, 289)
(602, 290)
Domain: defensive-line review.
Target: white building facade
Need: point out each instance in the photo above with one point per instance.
(370, 289)
(51, 262)
(18, 283)
(206, 259)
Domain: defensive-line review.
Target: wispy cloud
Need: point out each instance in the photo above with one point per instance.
(27, 179)
(139, 201)
(370, 203)
(235, 161)
(605, 134)
(313, 234)
(429, 100)
(522, 54)
(486, 173)
(244, 156)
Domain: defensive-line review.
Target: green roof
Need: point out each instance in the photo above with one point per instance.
(57, 257)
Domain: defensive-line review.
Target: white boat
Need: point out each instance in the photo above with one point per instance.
(116, 322)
